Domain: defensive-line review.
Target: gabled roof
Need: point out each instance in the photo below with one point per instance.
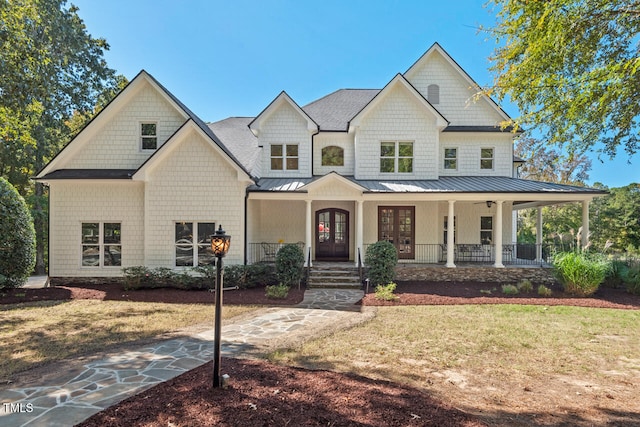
(398, 81)
(119, 102)
(437, 49)
(238, 138)
(281, 99)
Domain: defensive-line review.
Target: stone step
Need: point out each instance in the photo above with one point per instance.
(334, 285)
(332, 276)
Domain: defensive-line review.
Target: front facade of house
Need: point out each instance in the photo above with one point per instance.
(147, 182)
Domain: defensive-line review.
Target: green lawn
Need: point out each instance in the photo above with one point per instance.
(39, 333)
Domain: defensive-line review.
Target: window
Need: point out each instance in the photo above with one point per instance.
(284, 157)
(451, 158)
(486, 230)
(433, 94)
(486, 158)
(148, 136)
(446, 229)
(192, 252)
(332, 156)
(101, 244)
(396, 225)
(396, 156)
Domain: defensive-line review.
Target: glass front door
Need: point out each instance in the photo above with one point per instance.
(396, 225)
(332, 234)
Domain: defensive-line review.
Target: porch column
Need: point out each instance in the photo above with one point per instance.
(585, 223)
(450, 235)
(498, 235)
(359, 230)
(308, 234)
(539, 235)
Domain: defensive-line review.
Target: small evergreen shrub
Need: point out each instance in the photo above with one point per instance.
(525, 286)
(543, 291)
(279, 291)
(510, 290)
(580, 273)
(381, 259)
(140, 277)
(632, 280)
(17, 238)
(289, 265)
(250, 276)
(385, 292)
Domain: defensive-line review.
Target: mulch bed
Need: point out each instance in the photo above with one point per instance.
(262, 394)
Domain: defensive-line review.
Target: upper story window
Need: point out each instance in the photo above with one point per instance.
(433, 94)
(451, 158)
(149, 135)
(284, 157)
(486, 158)
(332, 156)
(396, 156)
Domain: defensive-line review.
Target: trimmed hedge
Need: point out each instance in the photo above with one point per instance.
(17, 238)
(381, 259)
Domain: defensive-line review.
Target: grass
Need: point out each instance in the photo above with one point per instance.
(406, 344)
(38, 333)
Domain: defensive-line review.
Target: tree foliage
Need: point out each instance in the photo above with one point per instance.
(17, 238)
(50, 69)
(572, 67)
(616, 219)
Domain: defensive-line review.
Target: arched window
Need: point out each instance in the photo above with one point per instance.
(332, 156)
(433, 94)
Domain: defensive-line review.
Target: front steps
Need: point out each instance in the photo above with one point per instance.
(334, 275)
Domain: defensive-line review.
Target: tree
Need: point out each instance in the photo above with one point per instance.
(17, 238)
(572, 67)
(616, 219)
(50, 68)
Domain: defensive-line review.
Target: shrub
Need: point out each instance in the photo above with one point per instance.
(140, 277)
(525, 286)
(250, 276)
(510, 289)
(279, 291)
(632, 280)
(137, 277)
(543, 291)
(289, 265)
(580, 273)
(17, 238)
(381, 259)
(616, 274)
(385, 292)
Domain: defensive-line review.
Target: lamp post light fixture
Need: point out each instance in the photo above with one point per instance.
(220, 246)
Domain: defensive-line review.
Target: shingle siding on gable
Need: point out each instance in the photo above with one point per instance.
(193, 184)
(117, 144)
(456, 95)
(285, 126)
(469, 146)
(399, 117)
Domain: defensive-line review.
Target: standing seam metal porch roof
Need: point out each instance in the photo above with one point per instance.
(447, 184)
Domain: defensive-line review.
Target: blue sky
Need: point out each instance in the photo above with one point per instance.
(233, 57)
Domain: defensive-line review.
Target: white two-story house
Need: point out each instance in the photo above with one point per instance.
(146, 182)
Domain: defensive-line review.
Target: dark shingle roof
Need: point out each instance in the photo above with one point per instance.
(90, 174)
(235, 134)
(334, 111)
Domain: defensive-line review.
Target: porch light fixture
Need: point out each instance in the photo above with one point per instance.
(220, 246)
(489, 202)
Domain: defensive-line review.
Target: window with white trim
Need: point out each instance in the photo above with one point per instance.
(101, 244)
(486, 158)
(149, 135)
(396, 156)
(486, 230)
(284, 157)
(451, 158)
(193, 243)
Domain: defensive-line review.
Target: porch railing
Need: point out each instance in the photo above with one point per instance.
(266, 251)
(512, 254)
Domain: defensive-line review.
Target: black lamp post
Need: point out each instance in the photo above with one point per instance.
(219, 245)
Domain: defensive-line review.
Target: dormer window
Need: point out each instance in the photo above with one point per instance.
(149, 135)
(284, 157)
(396, 156)
(433, 94)
(332, 156)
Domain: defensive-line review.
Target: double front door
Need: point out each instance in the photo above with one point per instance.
(332, 234)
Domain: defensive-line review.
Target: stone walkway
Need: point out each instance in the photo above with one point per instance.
(75, 396)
